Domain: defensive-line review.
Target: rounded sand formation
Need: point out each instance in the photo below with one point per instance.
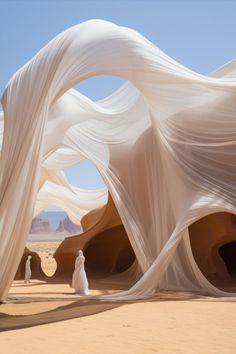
(213, 242)
(35, 264)
(104, 242)
(108, 251)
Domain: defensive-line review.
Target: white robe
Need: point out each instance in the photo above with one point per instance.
(79, 278)
(27, 271)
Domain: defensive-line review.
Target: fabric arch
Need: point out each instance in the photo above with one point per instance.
(163, 144)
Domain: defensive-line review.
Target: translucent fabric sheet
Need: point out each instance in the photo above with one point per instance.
(164, 144)
(76, 202)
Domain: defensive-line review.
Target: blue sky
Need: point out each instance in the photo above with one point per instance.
(198, 33)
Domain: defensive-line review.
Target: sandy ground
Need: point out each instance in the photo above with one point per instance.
(48, 318)
(53, 237)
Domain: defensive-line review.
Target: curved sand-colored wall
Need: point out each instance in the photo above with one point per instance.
(207, 236)
(105, 244)
(108, 250)
(35, 265)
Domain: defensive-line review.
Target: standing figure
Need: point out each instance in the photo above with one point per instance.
(27, 270)
(79, 278)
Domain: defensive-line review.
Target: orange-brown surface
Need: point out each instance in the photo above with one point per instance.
(105, 244)
(208, 237)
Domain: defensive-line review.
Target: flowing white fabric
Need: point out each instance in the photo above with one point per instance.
(79, 278)
(27, 270)
(163, 143)
(74, 201)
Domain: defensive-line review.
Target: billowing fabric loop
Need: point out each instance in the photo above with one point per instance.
(163, 143)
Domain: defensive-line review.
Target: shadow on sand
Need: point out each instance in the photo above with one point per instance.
(78, 307)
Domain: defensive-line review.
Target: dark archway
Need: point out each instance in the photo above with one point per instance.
(105, 244)
(228, 254)
(213, 243)
(109, 252)
(35, 266)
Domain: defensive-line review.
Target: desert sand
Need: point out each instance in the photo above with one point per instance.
(48, 318)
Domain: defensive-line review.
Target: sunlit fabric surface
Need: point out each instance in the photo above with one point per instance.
(164, 144)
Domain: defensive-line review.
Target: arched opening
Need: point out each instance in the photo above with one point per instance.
(228, 254)
(98, 87)
(85, 175)
(102, 238)
(109, 252)
(104, 242)
(48, 230)
(36, 268)
(213, 243)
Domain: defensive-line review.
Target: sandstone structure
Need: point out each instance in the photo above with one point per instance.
(213, 242)
(107, 248)
(104, 243)
(108, 251)
(35, 264)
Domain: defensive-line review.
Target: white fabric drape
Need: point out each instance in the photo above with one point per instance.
(75, 203)
(164, 144)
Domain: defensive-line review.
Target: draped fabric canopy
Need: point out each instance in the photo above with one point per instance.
(164, 144)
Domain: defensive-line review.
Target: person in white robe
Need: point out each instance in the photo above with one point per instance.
(79, 278)
(27, 270)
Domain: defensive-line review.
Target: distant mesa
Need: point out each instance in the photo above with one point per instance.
(54, 222)
(67, 225)
(40, 226)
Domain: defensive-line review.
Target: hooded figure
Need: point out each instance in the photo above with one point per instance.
(79, 278)
(27, 270)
